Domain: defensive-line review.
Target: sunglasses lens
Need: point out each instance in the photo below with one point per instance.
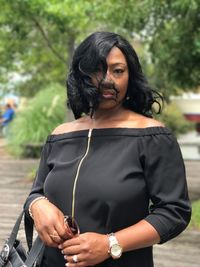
(72, 225)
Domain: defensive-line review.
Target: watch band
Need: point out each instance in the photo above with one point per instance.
(112, 239)
(115, 250)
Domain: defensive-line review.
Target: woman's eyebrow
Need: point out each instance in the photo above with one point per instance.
(118, 63)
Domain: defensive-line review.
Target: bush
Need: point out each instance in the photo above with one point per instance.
(173, 118)
(195, 220)
(37, 120)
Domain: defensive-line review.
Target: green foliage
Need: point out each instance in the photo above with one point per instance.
(173, 119)
(31, 174)
(175, 44)
(37, 120)
(195, 220)
(38, 38)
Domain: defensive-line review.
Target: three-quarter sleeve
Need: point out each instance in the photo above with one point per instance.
(170, 209)
(43, 170)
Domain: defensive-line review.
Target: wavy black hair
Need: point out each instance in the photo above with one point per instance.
(92, 53)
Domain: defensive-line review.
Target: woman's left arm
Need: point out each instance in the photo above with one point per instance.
(170, 209)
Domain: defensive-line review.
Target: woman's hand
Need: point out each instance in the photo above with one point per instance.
(49, 223)
(89, 248)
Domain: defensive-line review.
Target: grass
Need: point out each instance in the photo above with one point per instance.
(31, 174)
(195, 221)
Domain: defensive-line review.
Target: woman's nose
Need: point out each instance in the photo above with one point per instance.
(108, 76)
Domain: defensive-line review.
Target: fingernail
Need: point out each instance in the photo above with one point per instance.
(65, 257)
(67, 264)
(62, 251)
(60, 246)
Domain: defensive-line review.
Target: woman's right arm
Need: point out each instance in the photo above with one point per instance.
(48, 219)
(42, 172)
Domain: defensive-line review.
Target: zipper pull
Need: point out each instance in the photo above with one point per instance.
(90, 133)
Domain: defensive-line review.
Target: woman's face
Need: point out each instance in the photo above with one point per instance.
(114, 85)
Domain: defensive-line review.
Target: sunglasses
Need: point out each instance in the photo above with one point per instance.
(72, 225)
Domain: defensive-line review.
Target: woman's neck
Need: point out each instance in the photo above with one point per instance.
(108, 118)
(107, 115)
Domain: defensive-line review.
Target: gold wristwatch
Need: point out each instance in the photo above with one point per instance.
(115, 250)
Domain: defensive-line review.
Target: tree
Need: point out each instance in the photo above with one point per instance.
(38, 38)
(175, 44)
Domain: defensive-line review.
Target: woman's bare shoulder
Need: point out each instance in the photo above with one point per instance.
(72, 126)
(142, 121)
(63, 128)
(149, 122)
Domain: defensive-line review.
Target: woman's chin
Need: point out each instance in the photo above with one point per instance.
(108, 104)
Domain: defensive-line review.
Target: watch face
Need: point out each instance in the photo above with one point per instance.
(116, 251)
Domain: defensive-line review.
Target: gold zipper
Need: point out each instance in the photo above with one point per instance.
(78, 170)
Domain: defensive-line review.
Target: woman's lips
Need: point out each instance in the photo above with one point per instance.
(109, 94)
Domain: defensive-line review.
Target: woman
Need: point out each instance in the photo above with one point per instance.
(105, 167)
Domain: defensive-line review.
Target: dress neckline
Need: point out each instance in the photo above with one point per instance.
(112, 131)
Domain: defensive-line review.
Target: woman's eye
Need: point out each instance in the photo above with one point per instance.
(118, 71)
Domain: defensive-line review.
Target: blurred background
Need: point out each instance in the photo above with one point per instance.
(38, 38)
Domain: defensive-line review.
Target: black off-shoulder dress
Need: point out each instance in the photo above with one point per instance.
(124, 175)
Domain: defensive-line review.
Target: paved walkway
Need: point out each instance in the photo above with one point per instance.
(183, 251)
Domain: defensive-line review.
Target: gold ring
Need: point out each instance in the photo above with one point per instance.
(54, 235)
